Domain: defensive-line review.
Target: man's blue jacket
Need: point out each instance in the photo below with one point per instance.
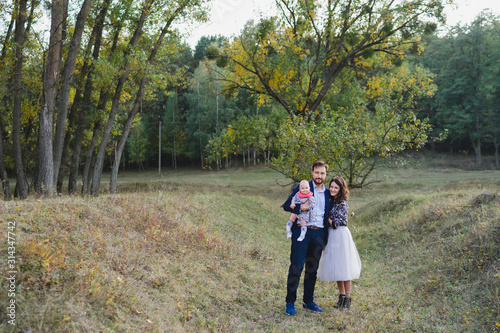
(296, 210)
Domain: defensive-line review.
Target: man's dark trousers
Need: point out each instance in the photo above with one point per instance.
(308, 252)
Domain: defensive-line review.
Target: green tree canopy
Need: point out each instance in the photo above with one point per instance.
(467, 67)
(294, 59)
(367, 121)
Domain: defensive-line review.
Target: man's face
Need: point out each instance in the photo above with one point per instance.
(319, 175)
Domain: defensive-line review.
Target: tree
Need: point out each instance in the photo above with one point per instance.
(204, 43)
(19, 38)
(467, 100)
(64, 92)
(82, 103)
(138, 144)
(248, 137)
(298, 58)
(75, 88)
(208, 111)
(295, 59)
(368, 121)
(172, 128)
(46, 127)
(6, 41)
(176, 10)
(3, 172)
(125, 70)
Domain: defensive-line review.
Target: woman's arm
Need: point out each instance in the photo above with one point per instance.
(338, 214)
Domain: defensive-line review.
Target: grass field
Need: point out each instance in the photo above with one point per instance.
(197, 251)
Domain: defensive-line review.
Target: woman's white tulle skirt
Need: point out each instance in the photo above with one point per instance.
(340, 260)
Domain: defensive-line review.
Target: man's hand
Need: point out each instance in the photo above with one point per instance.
(292, 205)
(305, 207)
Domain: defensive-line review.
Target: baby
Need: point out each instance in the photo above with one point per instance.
(304, 195)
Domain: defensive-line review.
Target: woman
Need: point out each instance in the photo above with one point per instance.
(340, 260)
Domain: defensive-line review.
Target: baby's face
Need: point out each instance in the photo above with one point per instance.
(304, 188)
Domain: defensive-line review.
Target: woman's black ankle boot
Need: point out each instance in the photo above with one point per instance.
(340, 303)
(347, 303)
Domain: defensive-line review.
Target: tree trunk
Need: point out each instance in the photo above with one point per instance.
(432, 143)
(3, 172)
(202, 157)
(137, 103)
(103, 99)
(6, 40)
(46, 163)
(477, 149)
(497, 144)
(45, 171)
(76, 147)
(67, 78)
(96, 178)
(87, 70)
(34, 4)
(78, 131)
(86, 179)
(64, 166)
(89, 160)
(75, 115)
(19, 37)
(174, 157)
(123, 138)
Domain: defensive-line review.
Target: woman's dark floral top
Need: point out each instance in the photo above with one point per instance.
(338, 214)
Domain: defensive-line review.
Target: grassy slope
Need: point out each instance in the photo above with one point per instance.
(212, 255)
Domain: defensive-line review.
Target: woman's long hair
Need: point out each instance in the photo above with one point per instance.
(343, 191)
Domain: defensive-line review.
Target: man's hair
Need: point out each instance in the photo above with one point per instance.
(319, 164)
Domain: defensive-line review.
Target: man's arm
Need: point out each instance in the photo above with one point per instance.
(288, 202)
(312, 203)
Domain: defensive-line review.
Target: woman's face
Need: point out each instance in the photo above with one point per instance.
(334, 189)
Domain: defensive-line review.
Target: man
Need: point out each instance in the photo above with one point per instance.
(308, 251)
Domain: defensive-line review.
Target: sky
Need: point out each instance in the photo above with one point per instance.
(229, 16)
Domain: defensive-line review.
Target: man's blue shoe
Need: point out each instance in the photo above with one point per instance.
(313, 307)
(290, 309)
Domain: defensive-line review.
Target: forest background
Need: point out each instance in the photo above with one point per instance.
(116, 87)
(113, 86)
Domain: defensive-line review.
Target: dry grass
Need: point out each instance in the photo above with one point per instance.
(137, 262)
(434, 260)
(206, 256)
